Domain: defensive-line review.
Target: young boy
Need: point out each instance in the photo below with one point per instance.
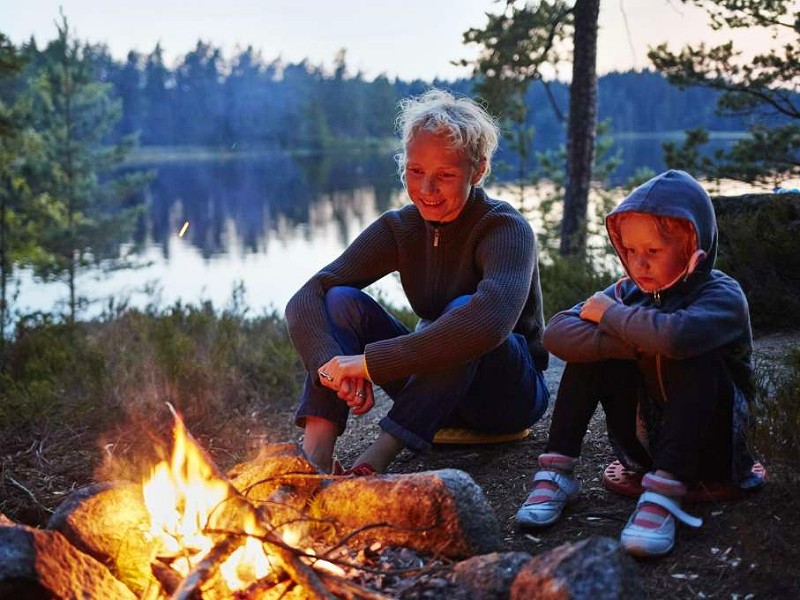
(666, 351)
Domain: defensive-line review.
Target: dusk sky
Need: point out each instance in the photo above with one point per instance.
(410, 39)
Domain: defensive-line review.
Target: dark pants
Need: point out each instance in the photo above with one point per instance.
(500, 392)
(690, 432)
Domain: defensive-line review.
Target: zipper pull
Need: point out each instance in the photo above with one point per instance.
(436, 237)
(657, 298)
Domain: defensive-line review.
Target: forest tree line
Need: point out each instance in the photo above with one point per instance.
(70, 113)
(246, 101)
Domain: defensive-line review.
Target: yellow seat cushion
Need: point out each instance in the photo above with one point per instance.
(460, 435)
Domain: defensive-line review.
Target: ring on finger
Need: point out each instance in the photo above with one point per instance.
(361, 394)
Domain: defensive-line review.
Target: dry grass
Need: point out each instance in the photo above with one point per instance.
(237, 383)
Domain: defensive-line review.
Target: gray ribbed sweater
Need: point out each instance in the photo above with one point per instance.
(489, 251)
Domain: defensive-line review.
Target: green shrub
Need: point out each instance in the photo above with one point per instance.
(777, 410)
(567, 281)
(206, 363)
(759, 247)
(52, 372)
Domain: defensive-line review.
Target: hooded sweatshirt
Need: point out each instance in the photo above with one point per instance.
(703, 310)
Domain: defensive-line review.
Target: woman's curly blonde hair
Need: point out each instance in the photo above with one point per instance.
(470, 128)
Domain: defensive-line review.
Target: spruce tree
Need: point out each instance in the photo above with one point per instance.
(22, 212)
(92, 205)
(10, 64)
(519, 45)
(764, 88)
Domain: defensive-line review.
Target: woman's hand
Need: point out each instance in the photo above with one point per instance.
(346, 375)
(595, 307)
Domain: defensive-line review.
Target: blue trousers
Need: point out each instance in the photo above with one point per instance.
(691, 433)
(500, 392)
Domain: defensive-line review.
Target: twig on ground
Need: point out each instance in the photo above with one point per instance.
(27, 491)
(349, 589)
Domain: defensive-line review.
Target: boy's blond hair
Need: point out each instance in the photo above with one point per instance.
(672, 229)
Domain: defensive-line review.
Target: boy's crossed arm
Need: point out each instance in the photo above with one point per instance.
(595, 307)
(574, 335)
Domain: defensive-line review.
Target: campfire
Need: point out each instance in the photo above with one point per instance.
(273, 527)
(200, 524)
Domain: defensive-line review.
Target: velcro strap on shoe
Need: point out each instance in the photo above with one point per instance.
(663, 485)
(672, 506)
(562, 481)
(557, 462)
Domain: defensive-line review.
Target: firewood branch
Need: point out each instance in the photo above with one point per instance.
(301, 573)
(191, 584)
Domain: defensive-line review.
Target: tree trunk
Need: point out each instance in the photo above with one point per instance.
(580, 128)
(71, 284)
(4, 272)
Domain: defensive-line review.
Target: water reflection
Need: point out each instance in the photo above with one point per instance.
(268, 220)
(254, 194)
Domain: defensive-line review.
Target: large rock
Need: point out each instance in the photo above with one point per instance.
(490, 575)
(596, 568)
(748, 203)
(758, 236)
(43, 564)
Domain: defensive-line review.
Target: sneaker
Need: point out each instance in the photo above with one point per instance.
(551, 492)
(360, 470)
(650, 531)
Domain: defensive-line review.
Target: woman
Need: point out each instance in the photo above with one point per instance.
(468, 266)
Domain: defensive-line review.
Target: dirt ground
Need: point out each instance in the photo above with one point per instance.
(748, 548)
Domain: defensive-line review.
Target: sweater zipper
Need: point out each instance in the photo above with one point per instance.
(660, 378)
(657, 302)
(436, 263)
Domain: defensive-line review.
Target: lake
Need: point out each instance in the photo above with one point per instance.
(266, 221)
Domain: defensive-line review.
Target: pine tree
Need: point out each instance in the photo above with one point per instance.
(159, 119)
(764, 87)
(91, 206)
(517, 45)
(10, 65)
(22, 212)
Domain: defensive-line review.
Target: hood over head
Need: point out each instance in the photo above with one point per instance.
(678, 195)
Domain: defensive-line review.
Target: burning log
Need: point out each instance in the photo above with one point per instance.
(109, 521)
(437, 512)
(169, 579)
(191, 586)
(231, 515)
(112, 522)
(43, 564)
(190, 532)
(280, 480)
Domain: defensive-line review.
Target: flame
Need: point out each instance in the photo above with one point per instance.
(183, 498)
(248, 563)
